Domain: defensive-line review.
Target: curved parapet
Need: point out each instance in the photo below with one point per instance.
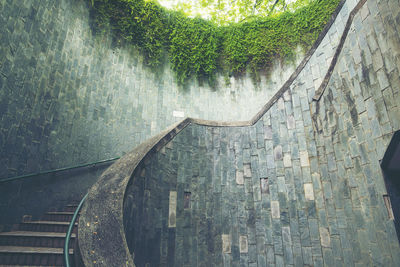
(281, 187)
(101, 235)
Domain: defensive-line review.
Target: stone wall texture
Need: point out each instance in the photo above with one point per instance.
(68, 97)
(303, 186)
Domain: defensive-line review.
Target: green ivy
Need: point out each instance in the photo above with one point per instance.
(199, 48)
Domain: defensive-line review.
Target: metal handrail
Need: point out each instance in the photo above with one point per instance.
(69, 232)
(56, 170)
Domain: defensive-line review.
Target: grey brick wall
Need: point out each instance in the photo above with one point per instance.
(67, 97)
(324, 205)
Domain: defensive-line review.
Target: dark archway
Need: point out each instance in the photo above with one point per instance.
(391, 171)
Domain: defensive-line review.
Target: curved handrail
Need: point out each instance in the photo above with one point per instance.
(57, 170)
(69, 232)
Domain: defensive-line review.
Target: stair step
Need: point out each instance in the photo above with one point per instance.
(31, 255)
(37, 239)
(62, 216)
(35, 234)
(60, 213)
(38, 243)
(71, 207)
(29, 250)
(45, 226)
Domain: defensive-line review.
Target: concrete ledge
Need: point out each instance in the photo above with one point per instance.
(338, 51)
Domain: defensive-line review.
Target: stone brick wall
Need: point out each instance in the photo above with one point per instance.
(67, 97)
(321, 199)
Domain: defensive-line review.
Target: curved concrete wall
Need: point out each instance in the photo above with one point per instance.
(68, 98)
(322, 203)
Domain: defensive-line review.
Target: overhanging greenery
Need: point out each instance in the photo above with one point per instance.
(197, 47)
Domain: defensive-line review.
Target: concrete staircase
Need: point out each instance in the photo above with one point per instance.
(38, 243)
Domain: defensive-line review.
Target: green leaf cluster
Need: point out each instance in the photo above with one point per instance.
(224, 12)
(198, 48)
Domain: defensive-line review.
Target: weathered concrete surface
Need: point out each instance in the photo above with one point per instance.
(101, 237)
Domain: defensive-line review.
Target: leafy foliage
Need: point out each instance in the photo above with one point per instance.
(223, 12)
(199, 47)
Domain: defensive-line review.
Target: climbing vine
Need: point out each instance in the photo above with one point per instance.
(199, 47)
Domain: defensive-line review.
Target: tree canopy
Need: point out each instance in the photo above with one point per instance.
(199, 47)
(223, 12)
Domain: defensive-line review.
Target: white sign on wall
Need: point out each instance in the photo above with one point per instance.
(178, 114)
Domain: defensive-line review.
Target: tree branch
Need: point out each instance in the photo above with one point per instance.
(273, 7)
(256, 4)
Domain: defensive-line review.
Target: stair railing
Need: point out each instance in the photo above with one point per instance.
(67, 262)
(93, 164)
